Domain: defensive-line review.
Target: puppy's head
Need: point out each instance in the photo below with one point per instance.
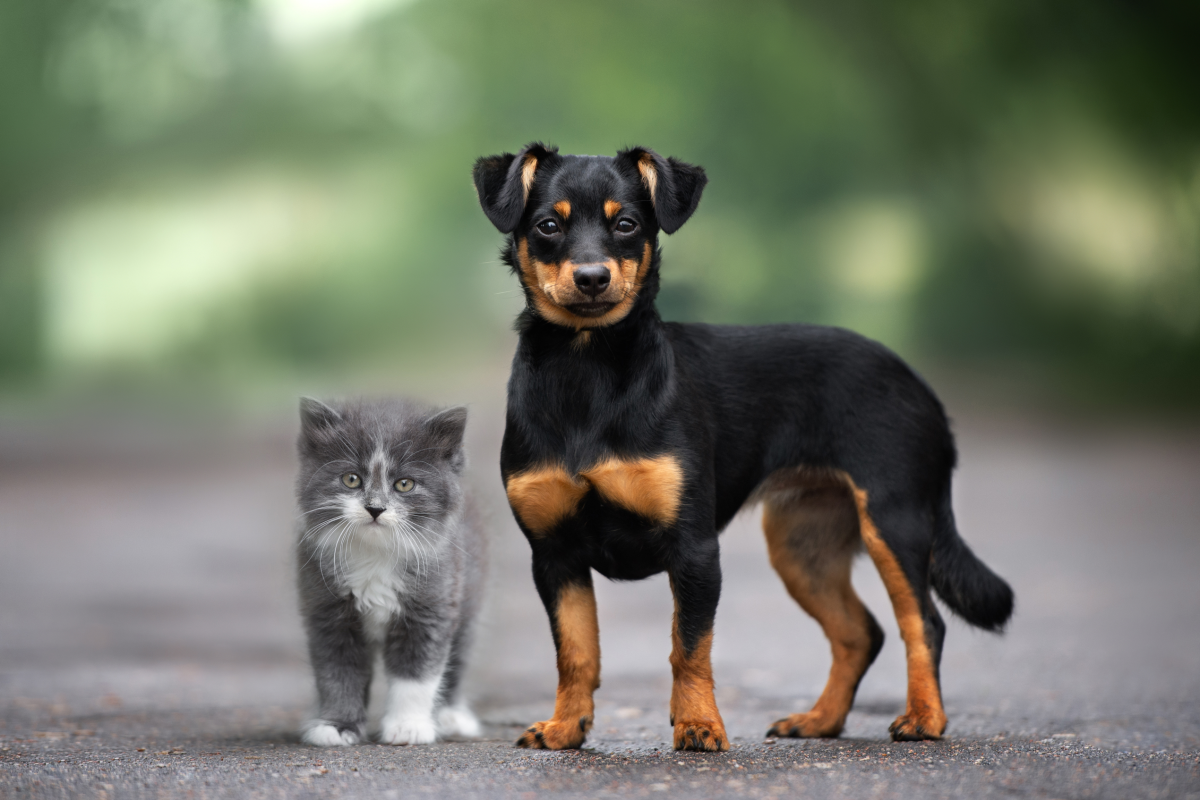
(584, 229)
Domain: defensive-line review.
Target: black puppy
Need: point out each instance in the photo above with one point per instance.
(631, 442)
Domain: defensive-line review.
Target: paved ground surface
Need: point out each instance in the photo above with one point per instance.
(149, 646)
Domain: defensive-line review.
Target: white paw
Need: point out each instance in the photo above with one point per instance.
(458, 721)
(320, 733)
(408, 730)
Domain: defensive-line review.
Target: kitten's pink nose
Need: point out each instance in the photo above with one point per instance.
(375, 512)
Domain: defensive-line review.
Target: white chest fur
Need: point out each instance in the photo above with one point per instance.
(376, 582)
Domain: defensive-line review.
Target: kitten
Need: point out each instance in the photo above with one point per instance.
(390, 562)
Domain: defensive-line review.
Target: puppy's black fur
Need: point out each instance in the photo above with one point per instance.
(631, 442)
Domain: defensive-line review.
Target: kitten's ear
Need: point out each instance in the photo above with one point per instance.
(447, 428)
(503, 182)
(315, 415)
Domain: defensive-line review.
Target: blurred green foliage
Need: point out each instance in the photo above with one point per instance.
(189, 184)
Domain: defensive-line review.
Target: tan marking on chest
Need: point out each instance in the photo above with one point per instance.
(651, 487)
(544, 496)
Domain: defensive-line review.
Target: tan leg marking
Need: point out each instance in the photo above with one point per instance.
(563, 207)
(651, 487)
(694, 713)
(924, 717)
(578, 673)
(611, 208)
(544, 496)
(826, 593)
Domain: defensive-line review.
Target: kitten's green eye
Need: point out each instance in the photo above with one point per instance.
(352, 480)
(405, 485)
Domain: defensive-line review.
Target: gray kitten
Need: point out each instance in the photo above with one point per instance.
(390, 561)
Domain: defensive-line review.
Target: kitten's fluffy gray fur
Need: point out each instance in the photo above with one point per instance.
(404, 581)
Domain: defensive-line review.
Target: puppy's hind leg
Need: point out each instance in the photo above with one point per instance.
(899, 537)
(812, 539)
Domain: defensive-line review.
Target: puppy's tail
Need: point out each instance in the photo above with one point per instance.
(965, 583)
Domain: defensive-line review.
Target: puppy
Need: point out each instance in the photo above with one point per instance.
(631, 442)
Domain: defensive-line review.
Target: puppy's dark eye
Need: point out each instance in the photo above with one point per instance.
(548, 227)
(626, 225)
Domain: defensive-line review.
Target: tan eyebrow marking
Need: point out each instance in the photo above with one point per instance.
(563, 207)
(611, 207)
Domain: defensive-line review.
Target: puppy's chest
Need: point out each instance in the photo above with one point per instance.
(546, 495)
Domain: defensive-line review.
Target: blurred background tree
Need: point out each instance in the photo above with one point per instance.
(207, 187)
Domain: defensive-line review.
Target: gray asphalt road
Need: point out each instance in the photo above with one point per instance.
(148, 642)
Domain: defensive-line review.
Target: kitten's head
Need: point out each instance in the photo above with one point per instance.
(384, 474)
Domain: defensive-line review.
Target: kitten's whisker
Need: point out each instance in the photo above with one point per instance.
(414, 531)
(332, 518)
(418, 548)
(316, 529)
(322, 549)
(440, 536)
(319, 509)
(342, 537)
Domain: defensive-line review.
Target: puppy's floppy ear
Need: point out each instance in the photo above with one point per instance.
(503, 182)
(674, 187)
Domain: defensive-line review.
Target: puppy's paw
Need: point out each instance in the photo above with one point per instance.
(705, 736)
(320, 733)
(458, 721)
(407, 730)
(809, 725)
(913, 727)
(555, 734)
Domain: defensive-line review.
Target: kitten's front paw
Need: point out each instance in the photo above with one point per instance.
(458, 721)
(320, 733)
(408, 730)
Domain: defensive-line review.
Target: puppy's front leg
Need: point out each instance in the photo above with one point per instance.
(696, 583)
(571, 604)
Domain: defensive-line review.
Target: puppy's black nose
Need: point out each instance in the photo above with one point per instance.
(375, 512)
(592, 279)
